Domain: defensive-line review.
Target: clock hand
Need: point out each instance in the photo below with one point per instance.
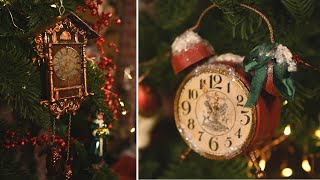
(215, 105)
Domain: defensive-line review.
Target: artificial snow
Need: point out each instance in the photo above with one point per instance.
(228, 57)
(184, 41)
(282, 55)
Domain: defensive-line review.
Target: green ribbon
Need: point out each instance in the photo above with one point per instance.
(257, 61)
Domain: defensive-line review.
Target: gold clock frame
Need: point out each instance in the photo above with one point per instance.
(214, 68)
(68, 30)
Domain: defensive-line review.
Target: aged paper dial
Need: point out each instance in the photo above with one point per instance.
(67, 63)
(210, 113)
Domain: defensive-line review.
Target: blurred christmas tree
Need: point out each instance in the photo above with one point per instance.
(26, 126)
(295, 153)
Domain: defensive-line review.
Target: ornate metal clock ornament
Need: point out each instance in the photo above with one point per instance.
(62, 49)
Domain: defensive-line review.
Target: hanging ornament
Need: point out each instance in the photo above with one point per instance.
(210, 107)
(149, 100)
(187, 49)
(99, 134)
(63, 67)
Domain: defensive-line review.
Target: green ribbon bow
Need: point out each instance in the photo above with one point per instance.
(257, 61)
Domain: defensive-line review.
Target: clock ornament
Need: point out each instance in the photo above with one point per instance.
(62, 49)
(221, 110)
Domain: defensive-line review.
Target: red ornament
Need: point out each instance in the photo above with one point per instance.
(149, 100)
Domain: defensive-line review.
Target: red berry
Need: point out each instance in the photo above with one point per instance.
(109, 15)
(99, 1)
(94, 13)
(106, 23)
(84, 9)
(118, 21)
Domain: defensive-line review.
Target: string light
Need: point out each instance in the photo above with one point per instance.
(317, 133)
(306, 165)
(287, 130)
(262, 164)
(121, 103)
(54, 5)
(124, 112)
(127, 71)
(132, 130)
(286, 172)
(285, 102)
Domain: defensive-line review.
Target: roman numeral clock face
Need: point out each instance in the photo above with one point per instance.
(67, 63)
(210, 113)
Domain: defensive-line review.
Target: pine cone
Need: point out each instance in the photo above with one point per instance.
(68, 171)
(53, 161)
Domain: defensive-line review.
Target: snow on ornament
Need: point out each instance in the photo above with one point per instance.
(227, 57)
(283, 55)
(187, 49)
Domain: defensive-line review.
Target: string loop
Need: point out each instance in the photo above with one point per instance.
(61, 8)
(242, 5)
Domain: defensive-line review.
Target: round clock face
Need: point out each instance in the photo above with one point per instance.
(66, 63)
(210, 113)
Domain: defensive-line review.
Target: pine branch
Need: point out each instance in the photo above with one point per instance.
(300, 9)
(20, 87)
(172, 14)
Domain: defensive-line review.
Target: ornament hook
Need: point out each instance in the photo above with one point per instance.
(61, 8)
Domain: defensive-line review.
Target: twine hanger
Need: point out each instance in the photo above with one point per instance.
(193, 28)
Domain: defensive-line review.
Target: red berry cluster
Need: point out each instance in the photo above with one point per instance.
(104, 19)
(19, 138)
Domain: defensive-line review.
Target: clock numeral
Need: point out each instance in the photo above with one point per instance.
(228, 142)
(213, 83)
(186, 107)
(201, 133)
(202, 83)
(238, 133)
(191, 124)
(217, 79)
(213, 145)
(193, 94)
(240, 100)
(247, 116)
(228, 87)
